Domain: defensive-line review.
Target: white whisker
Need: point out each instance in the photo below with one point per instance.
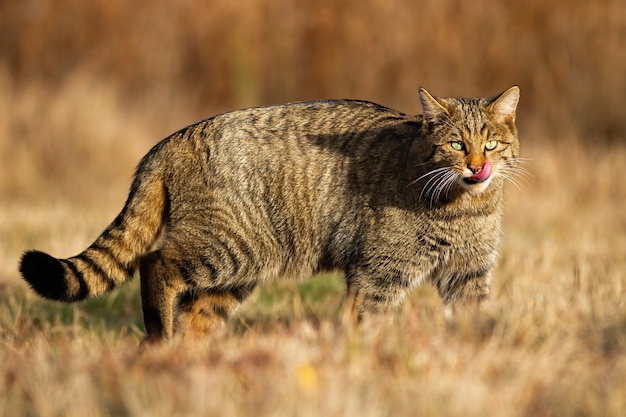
(431, 184)
(511, 171)
(433, 172)
(443, 186)
(514, 182)
(439, 183)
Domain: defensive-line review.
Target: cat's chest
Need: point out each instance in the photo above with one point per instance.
(456, 243)
(434, 239)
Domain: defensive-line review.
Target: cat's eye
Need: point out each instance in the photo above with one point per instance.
(457, 146)
(491, 145)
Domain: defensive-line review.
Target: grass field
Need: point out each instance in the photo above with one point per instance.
(551, 340)
(86, 88)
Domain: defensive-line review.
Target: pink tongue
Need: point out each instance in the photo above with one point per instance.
(483, 174)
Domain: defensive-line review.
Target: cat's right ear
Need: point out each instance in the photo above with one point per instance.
(503, 106)
(432, 107)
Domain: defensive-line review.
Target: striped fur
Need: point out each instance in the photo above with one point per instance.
(291, 190)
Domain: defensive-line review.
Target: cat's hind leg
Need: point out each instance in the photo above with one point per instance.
(161, 283)
(202, 311)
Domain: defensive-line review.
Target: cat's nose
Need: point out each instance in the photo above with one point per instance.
(475, 168)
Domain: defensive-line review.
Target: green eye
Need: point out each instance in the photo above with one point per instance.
(457, 146)
(491, 145)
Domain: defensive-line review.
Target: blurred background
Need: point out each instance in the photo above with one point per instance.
(93, 85)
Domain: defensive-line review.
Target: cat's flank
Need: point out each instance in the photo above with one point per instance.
(390, 199)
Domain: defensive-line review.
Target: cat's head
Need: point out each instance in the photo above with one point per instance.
(473, 141)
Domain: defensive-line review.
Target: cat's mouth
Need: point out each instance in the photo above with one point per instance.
(481, 176)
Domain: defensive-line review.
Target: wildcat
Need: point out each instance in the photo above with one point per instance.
(390, 199)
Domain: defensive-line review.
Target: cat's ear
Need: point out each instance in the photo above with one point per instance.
(432, 107)
(503, 106)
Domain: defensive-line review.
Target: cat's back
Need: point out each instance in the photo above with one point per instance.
(303, 144)
(305, 120)
(293, 133)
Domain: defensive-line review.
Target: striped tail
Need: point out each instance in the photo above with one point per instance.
(112, 259)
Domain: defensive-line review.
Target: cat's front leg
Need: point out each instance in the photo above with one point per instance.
(373, 297)
(463, 287)
(352, 308)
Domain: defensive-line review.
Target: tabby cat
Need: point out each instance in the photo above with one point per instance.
(391, 200)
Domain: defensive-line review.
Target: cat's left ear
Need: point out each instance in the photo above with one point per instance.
(433, 108)
(503, 106)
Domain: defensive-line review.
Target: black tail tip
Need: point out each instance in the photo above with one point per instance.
(45, 274)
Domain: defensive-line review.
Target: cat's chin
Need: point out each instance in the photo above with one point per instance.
(474, 187)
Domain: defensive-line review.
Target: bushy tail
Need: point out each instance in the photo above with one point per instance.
(112, 259)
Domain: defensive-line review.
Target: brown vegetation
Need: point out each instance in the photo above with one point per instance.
(87, 87)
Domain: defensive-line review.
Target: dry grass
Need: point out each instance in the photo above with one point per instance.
(78, 109)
